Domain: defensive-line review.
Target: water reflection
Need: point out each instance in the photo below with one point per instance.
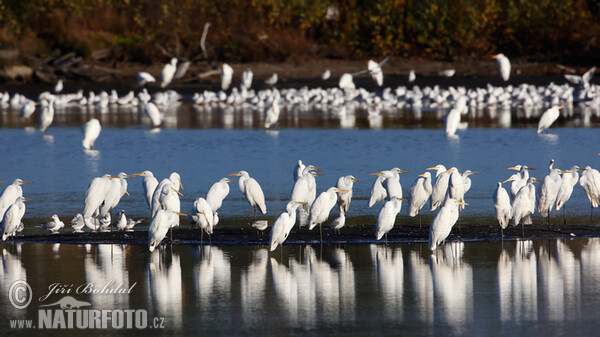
(319, 288)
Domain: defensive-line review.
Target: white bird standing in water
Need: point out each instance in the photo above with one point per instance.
(12, 218)
(549, 192)
(453, 117)
(252, 190)
(217, 193)
(346, 82)
(91, 131)
(419, 193)
(524, 203)
(247, 77)
(226, 76)
(378, 192)
(568, 180)
(503, 66)
(502, 206)
(590, 181)
(443, 222)
(387, 217)
(440, 187)
(47, 112)
(114, 193)
(467, 180)
(10, 194)
(144, 78)
(284, 224)
(160, 224)
(272, 112)
(54, 225)
(204, 216)
(159, 201)
(319, 211)
(148, 185)
(344, 198)
(548, 118)
(151, 110)
(168, 71)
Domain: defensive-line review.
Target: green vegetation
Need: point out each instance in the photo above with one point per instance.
(276, 30)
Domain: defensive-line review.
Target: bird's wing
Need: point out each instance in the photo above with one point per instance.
(588, 75)
(575, 79)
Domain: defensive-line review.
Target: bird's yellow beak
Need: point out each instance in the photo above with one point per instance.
(27, 199)
(139, 174)
(432, 168)
(130, 175)
(530, 168)
(402, 171)
(114, 177)
(376, 174)
(1, 182)
(127, 193)
(475, 172)
(539, 181)
(180, 213)
(318, 174)
(235, 174)
(495, 56)
(317, 168)
(561, 106)
(340, 190)
(25, 182)
(450, 170)
(177, 191)
(422, 175)
(507, 180)
(405, 199)
(301, 202)
(354, 179)
(461, 203)
(229, 180)
(512, 168)
(581, 169)
(180, 185)
(563, 171)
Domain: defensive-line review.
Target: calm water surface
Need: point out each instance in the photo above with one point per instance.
(513, 288)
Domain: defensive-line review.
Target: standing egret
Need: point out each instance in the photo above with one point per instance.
(548, 193)
(378, 192)
(91, 131)
(217, 193)
(168, 71)
(204, 216)
(520, 178)
(114, 193)
(456, 185)
(271, 80)
(151, 110)
(344, 198)
(252, 190)
(467, 180)
(443, 222)
(392, 183)
(305, 190)
(284, 224)
(160, 224)
(47, 112)
(167, 197)
(338, 222)
(590, 181)
(226, 76)
(524, 203)
(298, 170)
(502, 207)
(568, 180)
(419, 193)
(319, 211)
(453, 117)
(10, 195)
(148, 185)
(247, 76)
(12, 218)
(387, 217)
(346, 82)
(440, 187)
(503, 66)
(54, 225)
(548, 118)
(94, 196)
(144, 78)
(174, 181)
(272, 112)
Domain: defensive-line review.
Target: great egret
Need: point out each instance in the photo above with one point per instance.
(217, 193)
(12, 217)
(376, 72)
(503, 66)
(54, 225)
(467, 180)
(548, 118)
(91, 131)
(298, 170)
(453, 117)
(272, 112)
(284, 224)
(175, 183)
(252, 190)
(548, 193)
(520, 178)
(524, 203)
(204, 216)
(502, 207)
(10, 195)
(344, 198)
(247, 77)
(160, 224)
(378, 192)
(568, 180)
(387, 217)
(419, 193)
(443, 222)
(144, 78)
(305, 190)
(440, 187)
(47, 112)
(319, 211)
(338, 222)
(590, 181)
(114, 193)
(151, 110)
(168, 71)
(272, 80)
(346, 82)
(226, 76)
(392, 182)
(148, 185)
(456, 185)
(167, 197)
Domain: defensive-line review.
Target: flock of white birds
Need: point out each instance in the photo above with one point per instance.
(446, 190)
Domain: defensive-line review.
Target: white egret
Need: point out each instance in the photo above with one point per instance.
(411, 76)
(247, 77)
(54, 225)
(502, 207)
(204, 216)
(226, 76)
(326, 74)
(298, 170)
(114, 193)
(549, 192)
(252, 190)
(59, 86)
(453, 117)
(376, 72)
(440, 187)
(548, 118)
(503, 66)
(284, 224)
(520, 178)
(568, 180)
(344, 198)
(419, 193)
(590, 181)
(27, 109)
(524, 203)
(151, 110)
(443, 222)
(182, 69)
(378, 192)
(10, 195)
(467, 180)
(143, 78)
(392, 183)
(271, 115)
(305, 190)
(148, 185)
(163, 195)
(160, 224)
(91, 131)
(217, 193)
(338, 222)
(319, 211)
(47, 112)
(168, 71)
(12, 218)
(346, 82)
(456, 185)
(94, 196)
(387, 217)
(272, 80)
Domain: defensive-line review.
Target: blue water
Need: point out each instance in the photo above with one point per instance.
(60, 170)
